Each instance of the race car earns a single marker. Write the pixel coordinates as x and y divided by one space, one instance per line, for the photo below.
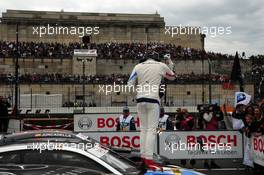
46 152
38 169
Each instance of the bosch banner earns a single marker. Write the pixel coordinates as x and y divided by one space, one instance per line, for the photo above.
117 139
174 145
201 145
98 122
258 150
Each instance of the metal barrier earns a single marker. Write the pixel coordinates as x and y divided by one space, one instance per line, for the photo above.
94 110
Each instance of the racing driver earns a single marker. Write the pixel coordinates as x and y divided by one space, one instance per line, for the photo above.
146 76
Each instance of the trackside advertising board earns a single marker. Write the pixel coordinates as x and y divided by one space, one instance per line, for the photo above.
258 150
117 139
201 145
98 122
213 144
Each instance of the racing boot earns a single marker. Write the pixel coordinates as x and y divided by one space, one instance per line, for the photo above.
142 167
151 165
214 165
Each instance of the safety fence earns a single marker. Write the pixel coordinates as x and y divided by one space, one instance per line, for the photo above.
93 95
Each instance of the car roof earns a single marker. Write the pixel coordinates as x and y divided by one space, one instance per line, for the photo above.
32 169
43 135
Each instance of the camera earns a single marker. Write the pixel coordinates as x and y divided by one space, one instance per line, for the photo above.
202 108
207 108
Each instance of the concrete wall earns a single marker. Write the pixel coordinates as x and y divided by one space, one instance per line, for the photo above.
29 65
123 66
179 95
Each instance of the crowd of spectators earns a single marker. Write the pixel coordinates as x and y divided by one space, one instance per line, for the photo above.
199 78
36 50
57 78
250 120
105 50
258 74
78 104
104 79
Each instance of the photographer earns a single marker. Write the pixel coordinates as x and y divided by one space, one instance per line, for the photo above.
165 123
126 122
211 117
185 122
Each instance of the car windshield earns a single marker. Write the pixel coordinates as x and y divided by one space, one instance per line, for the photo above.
112 158
107 155
119 162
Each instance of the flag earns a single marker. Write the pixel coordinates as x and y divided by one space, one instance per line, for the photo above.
242 98
236 74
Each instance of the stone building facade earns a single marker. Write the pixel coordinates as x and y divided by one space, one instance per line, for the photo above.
65 27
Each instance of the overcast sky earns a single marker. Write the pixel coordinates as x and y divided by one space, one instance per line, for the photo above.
246 17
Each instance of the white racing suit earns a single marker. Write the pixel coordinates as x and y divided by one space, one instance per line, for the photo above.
148 77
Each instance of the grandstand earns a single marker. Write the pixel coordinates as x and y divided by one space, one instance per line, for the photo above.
258 75
113 27
47 65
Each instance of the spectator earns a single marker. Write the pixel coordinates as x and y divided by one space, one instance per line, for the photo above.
249 110
259 121
90 104
4 120
248 131
238 117
259 131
